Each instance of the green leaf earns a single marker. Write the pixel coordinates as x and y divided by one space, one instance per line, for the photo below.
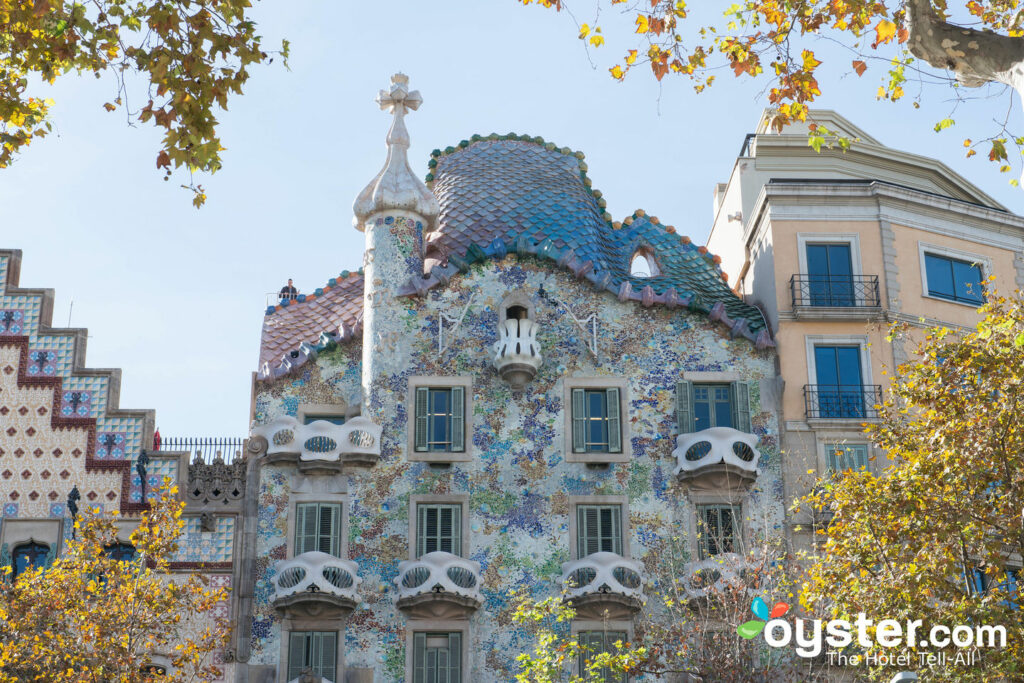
750 629
944 124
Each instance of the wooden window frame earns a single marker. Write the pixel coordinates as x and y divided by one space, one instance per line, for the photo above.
414 626
598 457
576 501
440 382
327 498
415 501
737 529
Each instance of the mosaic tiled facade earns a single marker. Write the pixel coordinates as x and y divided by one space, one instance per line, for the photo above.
61 428
441 272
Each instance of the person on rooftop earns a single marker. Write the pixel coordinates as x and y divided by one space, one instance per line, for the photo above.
288 291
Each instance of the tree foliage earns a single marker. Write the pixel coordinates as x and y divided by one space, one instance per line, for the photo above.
932 538
776 40
90 618
195 54
557 653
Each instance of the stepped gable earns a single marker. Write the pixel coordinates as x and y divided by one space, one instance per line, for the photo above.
62 425
294 331
504 194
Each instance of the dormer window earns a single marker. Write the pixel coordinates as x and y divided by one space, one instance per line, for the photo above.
643 263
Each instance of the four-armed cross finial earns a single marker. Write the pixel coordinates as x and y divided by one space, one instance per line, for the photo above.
398 100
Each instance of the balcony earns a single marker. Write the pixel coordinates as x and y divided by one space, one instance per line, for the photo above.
717 459
842 401
604 585
316 584
835 297
517 353
439 585
321 445
723 575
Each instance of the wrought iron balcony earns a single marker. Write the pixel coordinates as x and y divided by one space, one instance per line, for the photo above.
316 583
439 585
517 353
842 401
604 583
717 458
841 293
321 442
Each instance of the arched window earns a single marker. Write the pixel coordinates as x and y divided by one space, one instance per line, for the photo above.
27 555
643 263
122 552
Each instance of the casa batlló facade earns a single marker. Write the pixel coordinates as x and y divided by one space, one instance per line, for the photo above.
513 394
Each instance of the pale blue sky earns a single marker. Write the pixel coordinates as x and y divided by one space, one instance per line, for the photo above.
175 296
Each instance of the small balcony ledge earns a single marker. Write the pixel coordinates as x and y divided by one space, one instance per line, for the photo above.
321 444
835 297
439 585
604 584
517 353
316 584
715 576
716 459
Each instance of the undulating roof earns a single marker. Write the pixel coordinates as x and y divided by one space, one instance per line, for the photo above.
510 194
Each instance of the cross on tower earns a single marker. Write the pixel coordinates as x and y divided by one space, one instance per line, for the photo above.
398 100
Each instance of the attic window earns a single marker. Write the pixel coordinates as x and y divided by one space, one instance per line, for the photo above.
643 264
516 313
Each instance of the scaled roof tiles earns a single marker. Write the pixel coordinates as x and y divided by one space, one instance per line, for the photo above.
506 194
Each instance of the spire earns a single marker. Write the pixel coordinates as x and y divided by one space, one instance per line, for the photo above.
396 187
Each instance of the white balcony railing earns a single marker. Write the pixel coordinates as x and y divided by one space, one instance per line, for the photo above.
517 353
320 440
315 574
604 573
440 574
721 450
716 576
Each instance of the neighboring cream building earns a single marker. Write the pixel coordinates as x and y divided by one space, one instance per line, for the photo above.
834 247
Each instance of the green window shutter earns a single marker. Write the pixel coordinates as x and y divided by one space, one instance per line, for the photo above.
296 654
833 456
684 406
419 658
456 529
420 426
741 406
454 657
430 537
329 532
305 528
579 421
614 421
421 530
327 652
458 419
588 530
444 528
615 532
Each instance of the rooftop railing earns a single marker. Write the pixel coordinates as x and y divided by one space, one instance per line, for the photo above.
205 448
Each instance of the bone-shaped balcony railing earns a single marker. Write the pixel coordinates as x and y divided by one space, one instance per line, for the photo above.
716 446
439 572
603 573
320 439
722 574
517 353
316 572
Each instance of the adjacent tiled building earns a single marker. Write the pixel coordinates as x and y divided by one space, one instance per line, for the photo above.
835 247
512 393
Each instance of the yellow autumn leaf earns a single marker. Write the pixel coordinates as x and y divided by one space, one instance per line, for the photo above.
631 57
885 31
617 72
642 25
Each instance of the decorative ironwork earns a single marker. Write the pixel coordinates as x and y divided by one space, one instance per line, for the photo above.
842 401
835 291
140 467
206 449
588 325
73 497
443 318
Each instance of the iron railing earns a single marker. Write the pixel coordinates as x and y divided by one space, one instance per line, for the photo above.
842 401
206 448
838 291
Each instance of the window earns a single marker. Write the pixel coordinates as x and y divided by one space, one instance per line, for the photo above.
717 529
842 457
29 555
153 670
333 419
437 657
596 427
122 552
954 279
830 275
313 650
598 529
701 406
840 383
440 421
318 527
438 527
595 643
643 264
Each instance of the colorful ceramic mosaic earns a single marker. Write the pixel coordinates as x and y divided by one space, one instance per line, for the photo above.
197 546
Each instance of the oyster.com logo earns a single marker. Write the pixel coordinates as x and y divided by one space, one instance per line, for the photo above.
759 607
